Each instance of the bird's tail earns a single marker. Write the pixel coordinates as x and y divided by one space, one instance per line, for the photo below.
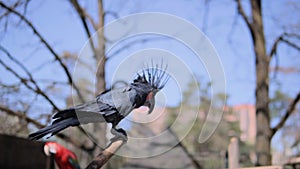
62 120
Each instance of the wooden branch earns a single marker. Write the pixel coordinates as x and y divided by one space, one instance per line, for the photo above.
287 114
43 40
105 155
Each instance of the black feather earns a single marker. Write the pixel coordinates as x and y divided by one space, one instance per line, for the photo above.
54 128
154 75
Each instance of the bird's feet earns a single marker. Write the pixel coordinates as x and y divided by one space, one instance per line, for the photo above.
119 134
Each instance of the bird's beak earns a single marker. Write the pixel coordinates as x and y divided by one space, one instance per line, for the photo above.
47 150
150 102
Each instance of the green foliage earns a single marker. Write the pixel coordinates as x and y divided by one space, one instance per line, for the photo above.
278 103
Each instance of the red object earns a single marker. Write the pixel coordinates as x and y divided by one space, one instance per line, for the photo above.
64 158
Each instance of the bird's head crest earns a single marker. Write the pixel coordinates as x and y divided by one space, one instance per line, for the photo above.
149 81
153 75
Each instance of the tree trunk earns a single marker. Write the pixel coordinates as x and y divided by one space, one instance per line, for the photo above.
263 135
262 61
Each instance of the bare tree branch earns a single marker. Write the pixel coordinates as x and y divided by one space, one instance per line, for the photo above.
15 5
82 14
17 62
105 155
51 50
112 13
274 46
92 21
31 79
282 38
276 68
25 82
246 19
25 6
42 65
291 44
28 106
287 114
21 116
294 35
189 155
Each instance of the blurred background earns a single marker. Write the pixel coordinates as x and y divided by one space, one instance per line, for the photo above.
44 68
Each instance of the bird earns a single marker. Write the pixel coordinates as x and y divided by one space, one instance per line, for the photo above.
64 158
112 105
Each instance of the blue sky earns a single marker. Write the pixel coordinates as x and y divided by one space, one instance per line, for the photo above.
59 24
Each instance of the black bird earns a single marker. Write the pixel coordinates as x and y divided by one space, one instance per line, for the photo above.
112 105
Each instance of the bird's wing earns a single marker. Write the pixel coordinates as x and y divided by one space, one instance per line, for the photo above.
95 106
109 103
120 99
90 112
